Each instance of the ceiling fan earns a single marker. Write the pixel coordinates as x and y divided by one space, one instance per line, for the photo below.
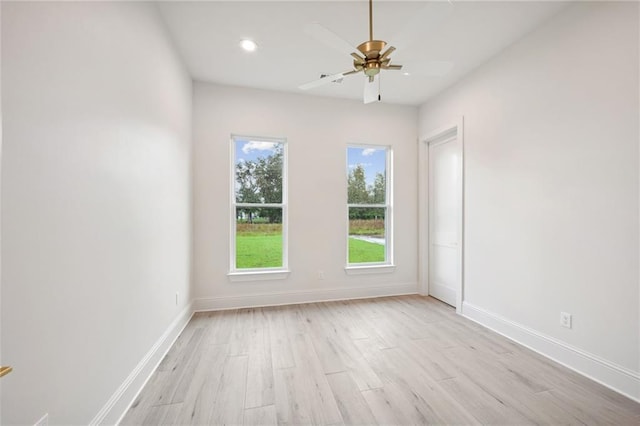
370 59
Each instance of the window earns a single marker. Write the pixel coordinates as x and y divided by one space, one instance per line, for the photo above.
369 206
259 205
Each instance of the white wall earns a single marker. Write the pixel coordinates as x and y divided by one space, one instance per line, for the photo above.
551 185
95 201
318 131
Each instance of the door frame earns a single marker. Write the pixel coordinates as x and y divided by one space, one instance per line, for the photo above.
456 128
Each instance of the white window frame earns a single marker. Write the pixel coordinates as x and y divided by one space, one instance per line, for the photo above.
387 265
254 274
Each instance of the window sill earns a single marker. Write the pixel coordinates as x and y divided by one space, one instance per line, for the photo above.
370 269
238 276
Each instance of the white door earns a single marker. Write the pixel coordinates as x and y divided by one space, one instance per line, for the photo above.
445 213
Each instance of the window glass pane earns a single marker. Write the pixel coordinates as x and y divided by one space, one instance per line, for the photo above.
258 237
367 234
366 175
258 171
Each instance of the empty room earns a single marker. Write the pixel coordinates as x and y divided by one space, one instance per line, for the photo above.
320 212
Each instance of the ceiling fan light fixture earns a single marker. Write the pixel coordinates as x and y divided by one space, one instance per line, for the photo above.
248 45
372 68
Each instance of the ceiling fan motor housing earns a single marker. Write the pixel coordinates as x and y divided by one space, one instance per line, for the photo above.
371 50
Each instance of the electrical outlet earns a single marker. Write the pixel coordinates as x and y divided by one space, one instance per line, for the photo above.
321 275
565 319
44 421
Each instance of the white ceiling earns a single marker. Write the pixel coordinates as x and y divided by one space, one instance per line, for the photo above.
207 35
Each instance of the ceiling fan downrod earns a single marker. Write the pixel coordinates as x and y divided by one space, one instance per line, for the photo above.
371 50
370 19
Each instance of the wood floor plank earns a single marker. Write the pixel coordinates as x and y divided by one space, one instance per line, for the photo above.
180 373
260 387
279 339
531 375
337 351
294 319
483 405
496 381
424 394
372 355
351 403
559 377
392 360
311 382
195 369
360 371
181 353
359 313
162 415
220 326
416 309
198 402
435 364
438 337
239 339
389 407
291 408
467 335
324 340
260 416
343 319
587 410
540 409
171 358
144 401
228 405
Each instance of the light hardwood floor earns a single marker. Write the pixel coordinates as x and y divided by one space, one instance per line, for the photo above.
393 360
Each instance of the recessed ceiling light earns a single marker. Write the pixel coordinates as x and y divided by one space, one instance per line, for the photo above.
406 73
248 45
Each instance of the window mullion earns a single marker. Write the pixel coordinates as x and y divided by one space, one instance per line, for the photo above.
369 206
256 205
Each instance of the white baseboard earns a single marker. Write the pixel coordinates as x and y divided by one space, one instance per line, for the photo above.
121 400
616 377
306 296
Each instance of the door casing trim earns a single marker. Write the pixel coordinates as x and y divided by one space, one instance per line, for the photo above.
456 128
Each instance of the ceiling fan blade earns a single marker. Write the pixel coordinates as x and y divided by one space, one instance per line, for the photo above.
357 57
386 53
328 38
430 17
326 79
371 89
391 67
429 68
